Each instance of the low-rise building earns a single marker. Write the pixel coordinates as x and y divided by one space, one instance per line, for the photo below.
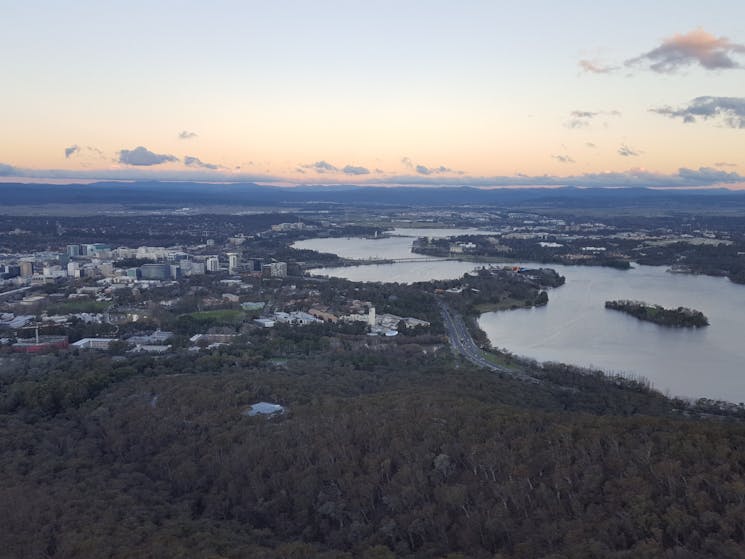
40 344
156 337
93 343
147 348
298 318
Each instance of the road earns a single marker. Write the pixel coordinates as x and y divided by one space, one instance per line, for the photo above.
15 291
462 341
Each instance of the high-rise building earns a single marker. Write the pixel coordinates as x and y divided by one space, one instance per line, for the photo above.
73 251
255 264
275 270
10 271
27 269
234 260
212 263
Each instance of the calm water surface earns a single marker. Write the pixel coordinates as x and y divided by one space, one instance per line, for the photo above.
575 327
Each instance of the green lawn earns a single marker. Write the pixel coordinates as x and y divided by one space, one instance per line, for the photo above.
499 360
221 315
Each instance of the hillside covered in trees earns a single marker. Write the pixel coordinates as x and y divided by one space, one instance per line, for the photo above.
388 448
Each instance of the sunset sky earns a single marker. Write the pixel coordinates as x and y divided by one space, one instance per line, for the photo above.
484 93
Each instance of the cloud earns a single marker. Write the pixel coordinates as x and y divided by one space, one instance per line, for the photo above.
694 48
707 174
632 178
576 123
422 170
352 170
324 167
730 110
582 119
190 161
321 167
724 164
563 158
143 157
187 135
626 151
83 151
72 150
584 114
593 67
590 145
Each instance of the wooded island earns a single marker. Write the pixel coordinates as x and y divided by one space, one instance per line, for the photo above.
681 317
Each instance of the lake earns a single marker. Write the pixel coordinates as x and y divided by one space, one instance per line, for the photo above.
575 327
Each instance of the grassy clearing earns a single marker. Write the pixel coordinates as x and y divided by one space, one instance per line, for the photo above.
500 360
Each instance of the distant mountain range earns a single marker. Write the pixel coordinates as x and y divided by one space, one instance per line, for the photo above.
179 194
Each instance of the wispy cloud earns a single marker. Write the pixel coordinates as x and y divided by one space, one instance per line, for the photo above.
724 164
626 151
729 110
695 48
583 119
594 67
187 135
78 151
590 145
563 158
191 161
143 157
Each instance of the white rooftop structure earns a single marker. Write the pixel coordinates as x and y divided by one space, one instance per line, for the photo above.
9 320
93 343
264 408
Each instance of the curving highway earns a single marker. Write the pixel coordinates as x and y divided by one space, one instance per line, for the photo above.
462 341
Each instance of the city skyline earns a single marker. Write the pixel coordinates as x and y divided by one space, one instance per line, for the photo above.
386 94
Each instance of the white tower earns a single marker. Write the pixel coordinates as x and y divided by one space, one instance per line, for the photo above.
371 316
233 261
212 264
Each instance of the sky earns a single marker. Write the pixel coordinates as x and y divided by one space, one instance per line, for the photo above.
414 92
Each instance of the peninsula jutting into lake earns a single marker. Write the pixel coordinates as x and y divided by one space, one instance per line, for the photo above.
681 317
